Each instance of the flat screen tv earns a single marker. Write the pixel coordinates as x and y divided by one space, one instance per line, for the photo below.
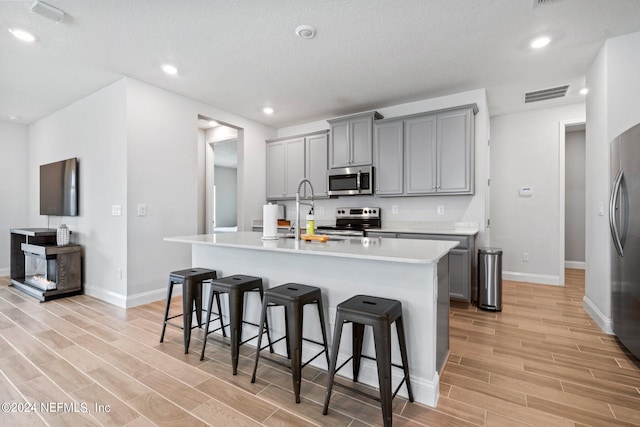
59 188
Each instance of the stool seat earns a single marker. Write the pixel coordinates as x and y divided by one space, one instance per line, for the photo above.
191 280
380 314
366 309
293 297
235 286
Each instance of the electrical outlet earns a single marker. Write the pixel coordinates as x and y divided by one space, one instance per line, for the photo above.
142 209
394 209
525 256
440 209
600 209
116 210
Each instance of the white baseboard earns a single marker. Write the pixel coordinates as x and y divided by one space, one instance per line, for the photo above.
542 279
151 296
4 272
106 296
605 323
578 265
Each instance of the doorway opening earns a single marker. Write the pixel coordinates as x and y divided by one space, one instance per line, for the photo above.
220 173
572 196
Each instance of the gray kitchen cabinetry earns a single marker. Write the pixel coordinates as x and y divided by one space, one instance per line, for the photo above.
437 153
461 270
291 159
388 154
351 140
461 283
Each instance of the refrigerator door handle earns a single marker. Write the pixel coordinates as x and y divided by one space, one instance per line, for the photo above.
613 201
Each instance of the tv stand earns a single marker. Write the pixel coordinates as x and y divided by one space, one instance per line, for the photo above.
42 269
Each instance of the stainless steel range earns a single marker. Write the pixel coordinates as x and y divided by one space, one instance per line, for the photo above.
353 222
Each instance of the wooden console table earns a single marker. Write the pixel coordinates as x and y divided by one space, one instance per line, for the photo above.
61 274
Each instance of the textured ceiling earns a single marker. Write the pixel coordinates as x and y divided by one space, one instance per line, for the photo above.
242 55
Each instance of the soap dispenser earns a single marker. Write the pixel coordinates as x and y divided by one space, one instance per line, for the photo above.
311 224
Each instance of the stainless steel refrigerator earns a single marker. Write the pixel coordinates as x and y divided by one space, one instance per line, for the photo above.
624 219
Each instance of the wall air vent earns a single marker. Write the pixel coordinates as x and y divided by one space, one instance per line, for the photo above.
544 94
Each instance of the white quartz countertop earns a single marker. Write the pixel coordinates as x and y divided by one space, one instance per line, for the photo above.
393 250
434 227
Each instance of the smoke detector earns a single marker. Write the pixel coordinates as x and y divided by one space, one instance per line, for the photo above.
305 31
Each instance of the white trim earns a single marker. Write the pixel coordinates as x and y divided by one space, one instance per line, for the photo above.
152 296
578 265
106 296
4 272
605 323
541 279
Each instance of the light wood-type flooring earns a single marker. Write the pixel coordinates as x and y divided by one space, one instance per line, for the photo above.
540 362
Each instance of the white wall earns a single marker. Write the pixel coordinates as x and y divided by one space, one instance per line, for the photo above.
612 107
14 150
226 194
574 224
93 129
423 208
525 152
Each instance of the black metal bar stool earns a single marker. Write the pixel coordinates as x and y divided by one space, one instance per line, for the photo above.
191 280
293 297
379 313
235 286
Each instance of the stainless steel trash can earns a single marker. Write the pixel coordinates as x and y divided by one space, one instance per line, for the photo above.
490 279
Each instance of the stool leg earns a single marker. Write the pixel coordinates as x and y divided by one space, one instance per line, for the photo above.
335 346
287 333
323 329
236 301
166 309
263 317
266 320
357 339
403 354
295 343
224 332
382 338
187 307
197 297
206 326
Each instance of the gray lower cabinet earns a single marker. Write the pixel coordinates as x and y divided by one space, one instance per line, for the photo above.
425 154
461 271
289 160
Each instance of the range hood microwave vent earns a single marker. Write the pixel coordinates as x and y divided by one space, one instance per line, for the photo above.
544 94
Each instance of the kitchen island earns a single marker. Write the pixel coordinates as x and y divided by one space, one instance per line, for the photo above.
415 272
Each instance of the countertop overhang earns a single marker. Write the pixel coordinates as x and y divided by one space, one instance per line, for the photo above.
391 250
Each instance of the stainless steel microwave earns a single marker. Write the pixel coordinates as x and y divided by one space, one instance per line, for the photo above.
351 181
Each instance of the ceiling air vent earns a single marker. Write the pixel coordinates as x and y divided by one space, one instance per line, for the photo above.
544 94
538 3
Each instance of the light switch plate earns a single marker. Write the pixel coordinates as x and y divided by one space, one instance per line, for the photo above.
142 209
116 210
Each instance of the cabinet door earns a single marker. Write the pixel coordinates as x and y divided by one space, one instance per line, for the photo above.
459 275
387 158
420 155
339 147
276 187
361 137
294 165
317 164
455 159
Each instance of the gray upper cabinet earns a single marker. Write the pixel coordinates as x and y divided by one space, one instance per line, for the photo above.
317 163
351 140
436 153
388 152
290 160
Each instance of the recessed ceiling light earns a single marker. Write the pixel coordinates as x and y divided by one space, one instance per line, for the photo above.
540 42
584 91
23 35
305 31
213 123
169 69
267 110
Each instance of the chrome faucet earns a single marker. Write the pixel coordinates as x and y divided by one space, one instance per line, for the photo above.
298 203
